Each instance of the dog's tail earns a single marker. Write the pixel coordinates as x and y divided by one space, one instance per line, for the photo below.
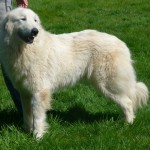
139 95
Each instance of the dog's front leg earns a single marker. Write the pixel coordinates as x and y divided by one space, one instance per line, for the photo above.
40 104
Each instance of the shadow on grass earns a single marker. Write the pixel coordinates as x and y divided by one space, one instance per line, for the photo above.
79 113
10 117
74 114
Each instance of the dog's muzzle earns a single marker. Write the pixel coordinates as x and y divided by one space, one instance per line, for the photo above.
29 38
32 35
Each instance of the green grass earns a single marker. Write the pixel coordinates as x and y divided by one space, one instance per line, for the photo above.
81 118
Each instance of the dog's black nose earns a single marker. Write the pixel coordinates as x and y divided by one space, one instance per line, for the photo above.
34 31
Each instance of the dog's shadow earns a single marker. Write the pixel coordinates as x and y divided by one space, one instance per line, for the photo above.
72 115
79 113
10 117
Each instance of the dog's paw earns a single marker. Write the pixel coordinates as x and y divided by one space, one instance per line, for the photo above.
39 133
130 119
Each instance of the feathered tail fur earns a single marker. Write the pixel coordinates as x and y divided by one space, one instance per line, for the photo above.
139 95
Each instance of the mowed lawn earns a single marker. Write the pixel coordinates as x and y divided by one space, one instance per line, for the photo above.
83 119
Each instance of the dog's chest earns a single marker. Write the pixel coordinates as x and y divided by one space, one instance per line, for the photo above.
22 70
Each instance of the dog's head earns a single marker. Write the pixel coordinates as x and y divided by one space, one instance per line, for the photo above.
23 24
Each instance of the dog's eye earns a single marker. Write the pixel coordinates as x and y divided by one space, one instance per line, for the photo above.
24 19
35 20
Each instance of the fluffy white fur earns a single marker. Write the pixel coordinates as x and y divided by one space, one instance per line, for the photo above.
39 65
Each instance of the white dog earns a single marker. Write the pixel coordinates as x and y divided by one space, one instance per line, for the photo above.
38 63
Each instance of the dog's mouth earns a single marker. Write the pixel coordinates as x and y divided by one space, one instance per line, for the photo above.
28 38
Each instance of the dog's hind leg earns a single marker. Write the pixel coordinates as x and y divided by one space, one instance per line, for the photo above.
123 101
127 106
40 104
114 75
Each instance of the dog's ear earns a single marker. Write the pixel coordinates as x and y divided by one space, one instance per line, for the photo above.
8 24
